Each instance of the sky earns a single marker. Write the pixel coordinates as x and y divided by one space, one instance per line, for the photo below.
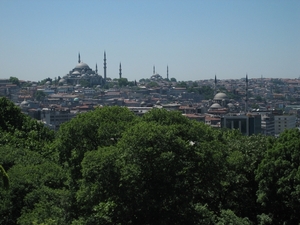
196 39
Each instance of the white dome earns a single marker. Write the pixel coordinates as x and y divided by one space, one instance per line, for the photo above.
215 106
75 73
220 96
82 65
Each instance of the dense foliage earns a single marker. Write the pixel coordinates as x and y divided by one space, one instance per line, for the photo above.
110 167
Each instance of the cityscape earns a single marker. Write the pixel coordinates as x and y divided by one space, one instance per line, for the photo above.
265 106
150 112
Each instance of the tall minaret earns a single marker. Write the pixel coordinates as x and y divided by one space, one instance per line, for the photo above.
153 70
246 100
215 87
79 57
104 66
120 71
167 72
96 69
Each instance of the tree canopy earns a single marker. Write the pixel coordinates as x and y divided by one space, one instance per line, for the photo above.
109 166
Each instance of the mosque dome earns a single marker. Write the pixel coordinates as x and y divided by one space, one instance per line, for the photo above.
24 104
82 65
156 77
230 105
220 96
75 73
215 106
62 80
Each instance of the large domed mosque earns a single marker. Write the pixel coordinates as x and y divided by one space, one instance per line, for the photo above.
82 72
156 76
220 104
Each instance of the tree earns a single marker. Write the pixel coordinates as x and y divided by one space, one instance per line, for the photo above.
165 169
86 132
21 131
278 176
14 80
123 82
152 84
36 190
173 79
40 95
206 91
42 82
181 84
11 116
84 83
239 187
4 176
97 196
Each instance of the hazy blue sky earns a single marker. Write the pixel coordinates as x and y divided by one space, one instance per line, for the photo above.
196 39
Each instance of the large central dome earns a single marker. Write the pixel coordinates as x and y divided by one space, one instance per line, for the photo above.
82 65
220 96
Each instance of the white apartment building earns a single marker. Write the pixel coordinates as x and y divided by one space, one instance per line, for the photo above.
282 122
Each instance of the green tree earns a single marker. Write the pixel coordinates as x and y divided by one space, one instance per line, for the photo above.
181 84
10 115
35 183
99 187
14 80
19 130
152 84
4 177
240 187
86 132
42 82
165 169
206 91
279 179
40 95
123 82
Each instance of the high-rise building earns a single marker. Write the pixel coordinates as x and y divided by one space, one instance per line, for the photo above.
247 124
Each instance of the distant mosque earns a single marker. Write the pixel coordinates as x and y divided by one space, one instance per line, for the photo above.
157 77
83 73
221 104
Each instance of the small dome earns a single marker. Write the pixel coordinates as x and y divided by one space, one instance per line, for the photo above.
82 65
76 99
215 106
156 77
220 96
75 73
230 105
24 104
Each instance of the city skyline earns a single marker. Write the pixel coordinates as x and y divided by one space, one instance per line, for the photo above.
194 39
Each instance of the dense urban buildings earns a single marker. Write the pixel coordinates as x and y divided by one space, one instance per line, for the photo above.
253 106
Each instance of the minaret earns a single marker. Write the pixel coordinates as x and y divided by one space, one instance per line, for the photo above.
120 71
104 66
167 72
246 100
96 69
153 70
79 57
215 87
